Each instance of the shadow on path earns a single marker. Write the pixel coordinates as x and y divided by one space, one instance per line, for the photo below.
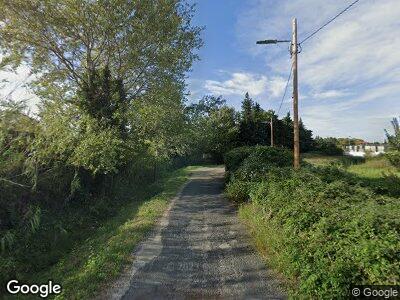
201 251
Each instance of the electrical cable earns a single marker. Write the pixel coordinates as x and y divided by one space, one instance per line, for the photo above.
286 87
330 21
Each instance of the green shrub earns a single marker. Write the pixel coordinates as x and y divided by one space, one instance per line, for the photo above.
391 184
351 160
387 184
261 160
325 235
394 158
238 191
322 227
234 158
328 146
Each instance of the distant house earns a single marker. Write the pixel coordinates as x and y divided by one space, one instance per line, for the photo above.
367 148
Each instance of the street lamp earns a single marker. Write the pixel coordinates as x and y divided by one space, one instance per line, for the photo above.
264 42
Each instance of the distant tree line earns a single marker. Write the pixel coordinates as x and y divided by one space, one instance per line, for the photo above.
220 128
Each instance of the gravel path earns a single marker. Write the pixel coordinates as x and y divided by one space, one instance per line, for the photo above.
199 250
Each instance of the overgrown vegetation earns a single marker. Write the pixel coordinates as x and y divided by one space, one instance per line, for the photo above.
394 142
376 173
110 78
99 254
318 226
77 177
112 120
328 146
217 128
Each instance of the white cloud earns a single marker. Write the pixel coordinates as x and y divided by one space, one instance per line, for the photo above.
353 118
238 84
329 94
277 86
359 45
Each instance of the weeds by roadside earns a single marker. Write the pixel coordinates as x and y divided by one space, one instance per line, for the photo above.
101 257
319 226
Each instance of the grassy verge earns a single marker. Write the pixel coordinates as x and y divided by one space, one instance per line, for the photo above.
101 257
375 173
267 240
321 160
373 168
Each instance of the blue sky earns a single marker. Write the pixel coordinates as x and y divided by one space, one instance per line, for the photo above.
349 73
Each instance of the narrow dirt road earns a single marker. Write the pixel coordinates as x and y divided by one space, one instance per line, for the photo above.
200 250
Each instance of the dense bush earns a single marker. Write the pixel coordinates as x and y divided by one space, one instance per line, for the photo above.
261 160
272 156
394 158
238 190
328 146
234 158
388 184
319 226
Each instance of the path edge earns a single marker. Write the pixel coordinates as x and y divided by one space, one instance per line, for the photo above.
121 285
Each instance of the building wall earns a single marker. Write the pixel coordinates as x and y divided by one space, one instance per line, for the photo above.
361 150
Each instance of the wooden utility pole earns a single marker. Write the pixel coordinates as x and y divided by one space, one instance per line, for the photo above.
296 150
272 132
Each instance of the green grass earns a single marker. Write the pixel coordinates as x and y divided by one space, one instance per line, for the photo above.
319 159
96 262
266 238
373 168
375 172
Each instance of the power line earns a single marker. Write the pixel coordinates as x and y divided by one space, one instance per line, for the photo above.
286 87
330 21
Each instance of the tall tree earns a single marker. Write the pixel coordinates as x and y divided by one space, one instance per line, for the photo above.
213 127
94 60
306 139
65 42
247 108
394 139
247 124
287 131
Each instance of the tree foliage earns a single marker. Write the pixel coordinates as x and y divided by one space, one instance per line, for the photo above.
328 146
110 76
213 127
254 127
66 42
394 144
